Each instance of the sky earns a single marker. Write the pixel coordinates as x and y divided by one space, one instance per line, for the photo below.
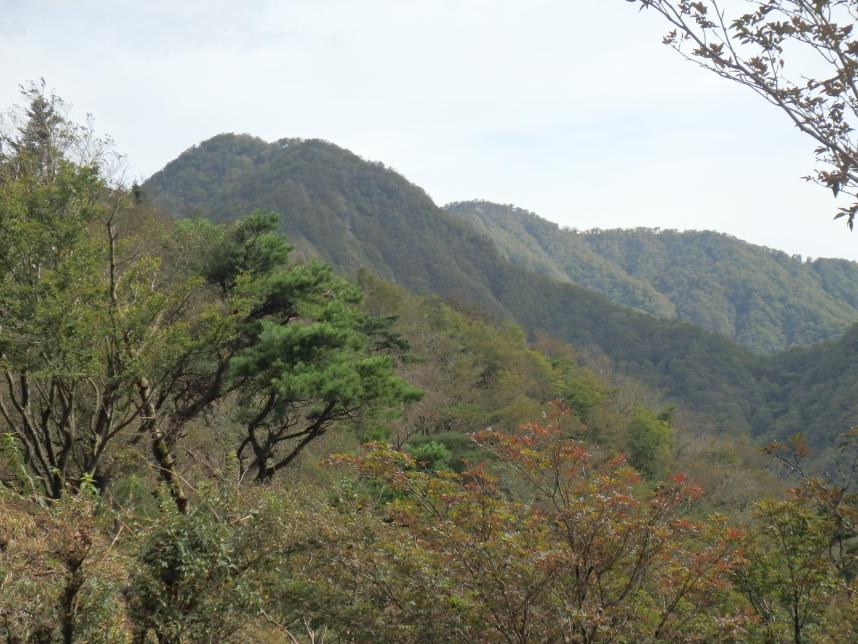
574 110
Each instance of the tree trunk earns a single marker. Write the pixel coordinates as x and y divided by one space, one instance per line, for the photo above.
73 585
160 449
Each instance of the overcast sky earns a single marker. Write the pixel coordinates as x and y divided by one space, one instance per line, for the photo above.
572 109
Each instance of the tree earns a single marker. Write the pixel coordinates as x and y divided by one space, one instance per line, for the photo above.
649 442
799 55
81 309
580 552
829 492
302 356
118 324
800 570
788 577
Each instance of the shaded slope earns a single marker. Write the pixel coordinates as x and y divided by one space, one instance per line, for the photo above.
812 390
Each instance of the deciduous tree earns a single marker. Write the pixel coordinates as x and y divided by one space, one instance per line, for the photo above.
799 55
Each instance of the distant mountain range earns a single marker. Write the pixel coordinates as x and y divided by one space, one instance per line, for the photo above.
765 299
625 293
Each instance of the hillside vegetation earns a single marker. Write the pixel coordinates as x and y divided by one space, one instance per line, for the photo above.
356 214
208 437
764 299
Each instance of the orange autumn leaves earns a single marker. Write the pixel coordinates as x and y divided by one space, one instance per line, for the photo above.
551 542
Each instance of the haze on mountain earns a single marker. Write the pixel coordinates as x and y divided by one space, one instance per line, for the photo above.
355 214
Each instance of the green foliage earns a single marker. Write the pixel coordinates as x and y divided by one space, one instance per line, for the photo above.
476 373
301 355
207 574
765 299
357 214
788 577
579 388
246 249
83 307
452 450
650 441
429 455
118 323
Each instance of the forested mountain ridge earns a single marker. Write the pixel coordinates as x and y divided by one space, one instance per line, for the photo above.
336 206
397 424
763 298
205 439
353 214
541 246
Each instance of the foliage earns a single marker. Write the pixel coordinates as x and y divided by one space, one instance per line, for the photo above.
788 578
301 355
549 541
476 373
800 574
765 299
429 455
650 442
118 325
801 56
586 555
84 314
210 573
61 578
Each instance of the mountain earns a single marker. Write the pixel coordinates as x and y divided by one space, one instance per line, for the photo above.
335 206
353 214
811 390
540 246
763 298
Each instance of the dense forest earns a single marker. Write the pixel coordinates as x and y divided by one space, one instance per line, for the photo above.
764 299
276 394
388 225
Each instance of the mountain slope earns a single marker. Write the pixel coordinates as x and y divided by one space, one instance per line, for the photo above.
334 205
763 298
538 245
353 213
